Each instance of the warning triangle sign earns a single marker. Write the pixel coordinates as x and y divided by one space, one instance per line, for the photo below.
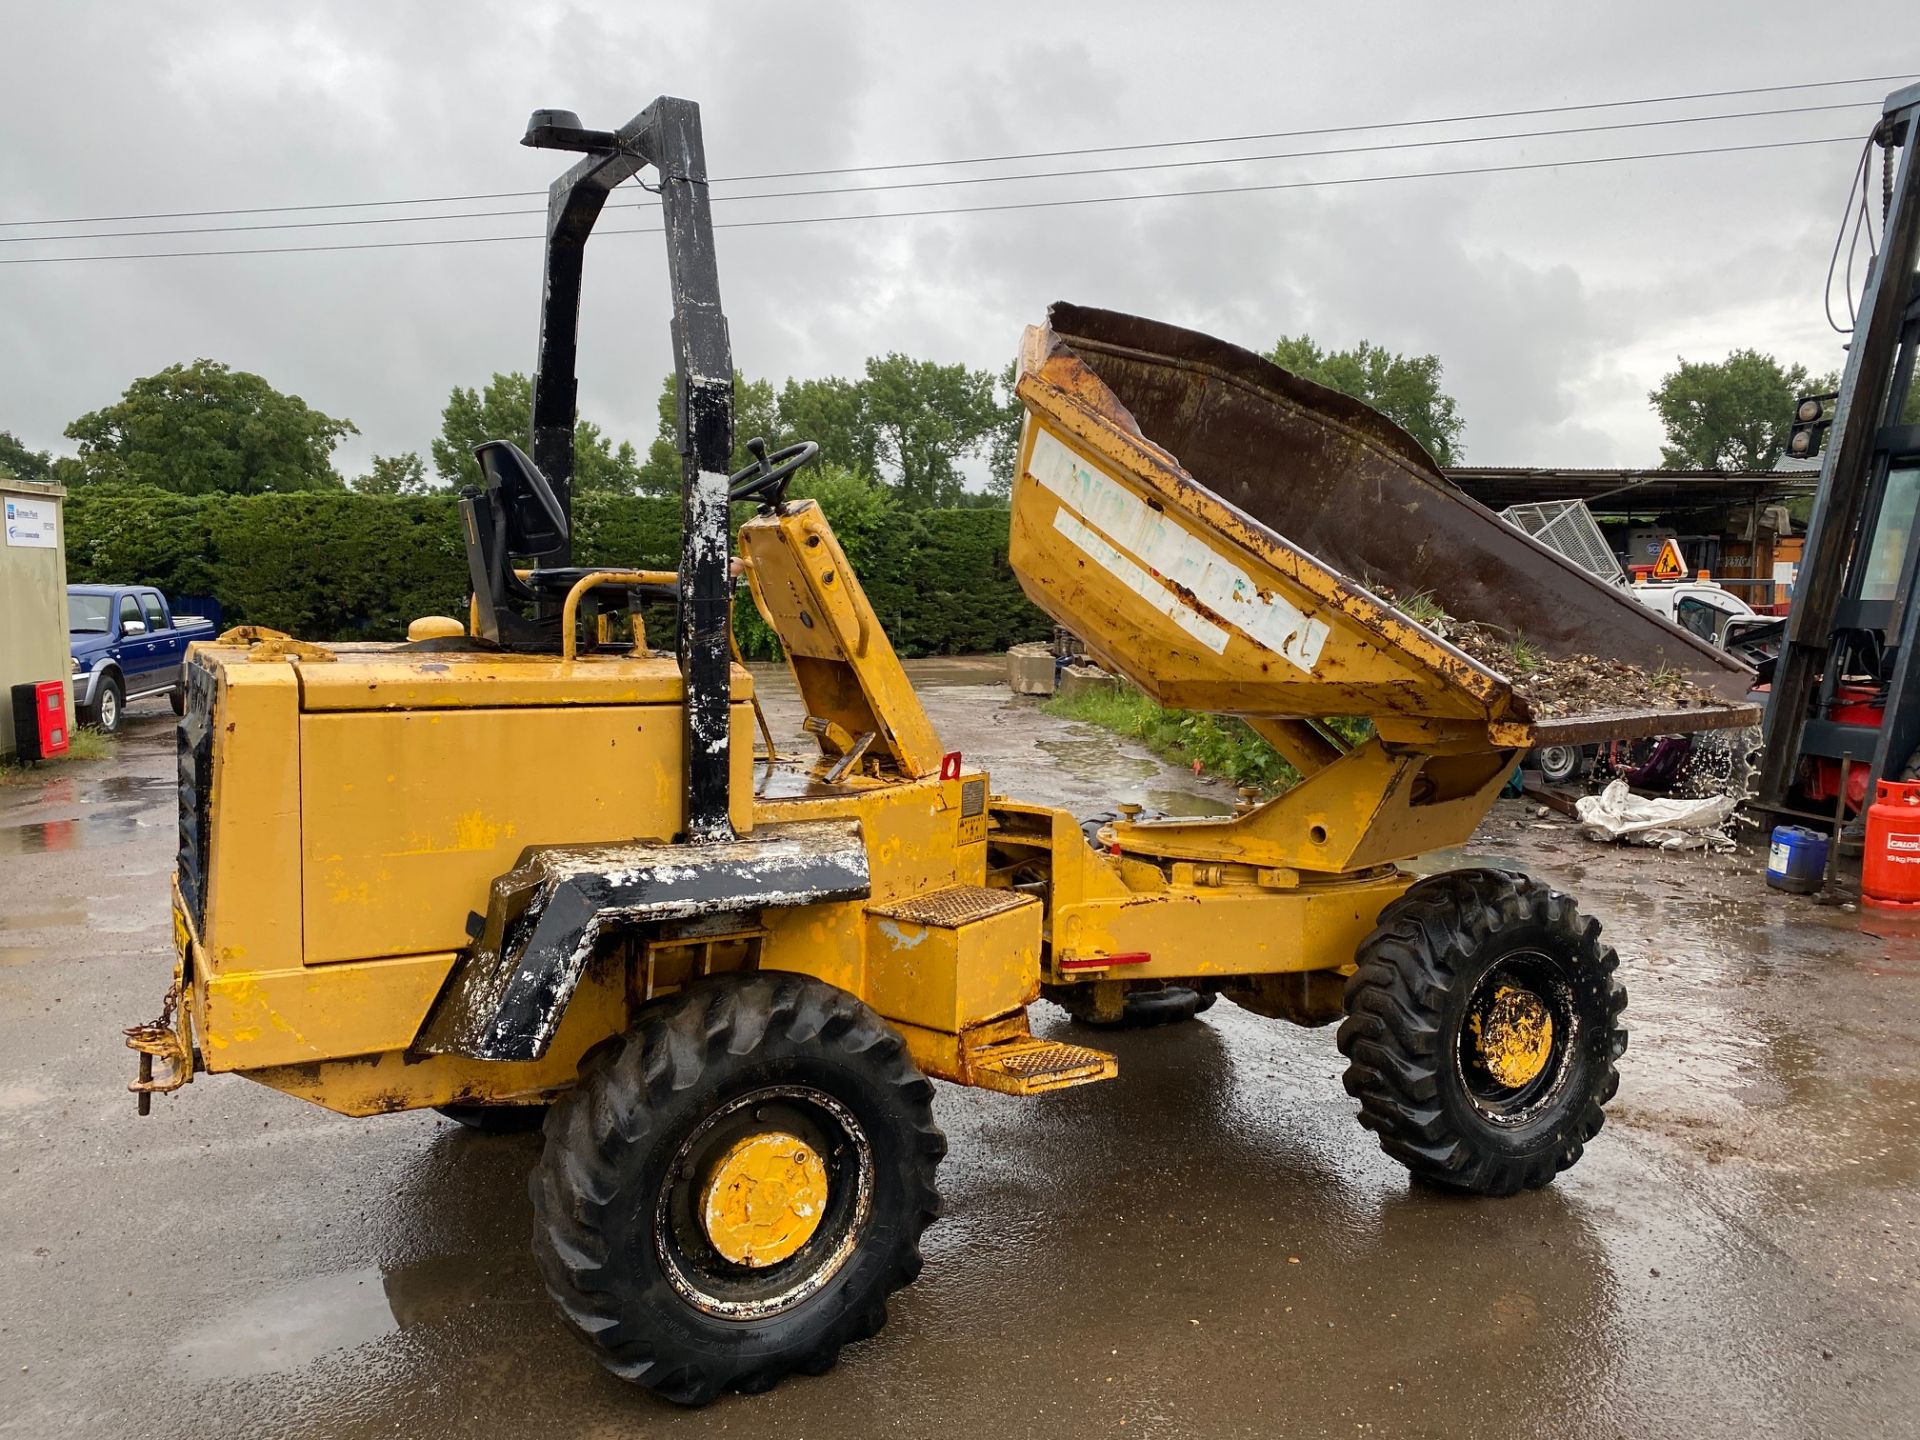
1671 565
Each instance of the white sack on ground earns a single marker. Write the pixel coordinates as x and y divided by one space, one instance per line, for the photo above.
1616 813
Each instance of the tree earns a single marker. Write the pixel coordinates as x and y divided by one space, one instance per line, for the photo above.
756 415
20 462
204 429
1003 446
909 422
1732 414
926 418
504 411
1404 388
833 413
395 475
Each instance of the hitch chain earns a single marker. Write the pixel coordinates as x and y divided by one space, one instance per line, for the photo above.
167 1039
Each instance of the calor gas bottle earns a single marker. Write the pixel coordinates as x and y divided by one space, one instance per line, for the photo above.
1890 871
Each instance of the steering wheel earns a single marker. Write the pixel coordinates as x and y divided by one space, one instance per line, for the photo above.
766 479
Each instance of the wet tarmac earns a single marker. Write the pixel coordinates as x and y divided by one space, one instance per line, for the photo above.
1208 1245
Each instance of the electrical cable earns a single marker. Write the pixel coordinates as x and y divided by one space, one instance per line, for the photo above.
942 184
1857 217
995 159
972 209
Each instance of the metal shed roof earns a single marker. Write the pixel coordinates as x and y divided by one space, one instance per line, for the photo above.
1617 491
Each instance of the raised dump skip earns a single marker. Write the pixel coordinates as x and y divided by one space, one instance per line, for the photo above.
1218 529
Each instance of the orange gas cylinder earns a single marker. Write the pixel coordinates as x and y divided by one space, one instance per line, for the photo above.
1890 873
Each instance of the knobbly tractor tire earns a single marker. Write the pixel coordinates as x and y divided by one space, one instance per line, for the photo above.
1144 1009
1482 1031
736 1186
496 1119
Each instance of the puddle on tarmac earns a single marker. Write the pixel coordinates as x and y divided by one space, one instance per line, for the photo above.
1185 803
1094 754
81 833
288 1328
1459 857
121 788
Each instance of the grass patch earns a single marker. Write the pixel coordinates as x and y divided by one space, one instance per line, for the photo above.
82 744
1423 609
1223 745
1527 657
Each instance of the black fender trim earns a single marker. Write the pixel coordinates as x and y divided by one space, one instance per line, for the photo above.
506 993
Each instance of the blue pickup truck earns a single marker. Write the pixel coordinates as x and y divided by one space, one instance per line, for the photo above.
126 643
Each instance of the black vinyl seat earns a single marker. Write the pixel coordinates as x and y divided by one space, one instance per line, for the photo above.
514 518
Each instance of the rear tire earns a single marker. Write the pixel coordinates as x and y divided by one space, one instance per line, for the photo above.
624 1200
1482 1031
496 1119
1167 1005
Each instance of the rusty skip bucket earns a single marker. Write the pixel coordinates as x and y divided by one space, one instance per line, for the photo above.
1210 524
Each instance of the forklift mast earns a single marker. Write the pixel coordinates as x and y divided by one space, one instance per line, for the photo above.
1858 570
666 135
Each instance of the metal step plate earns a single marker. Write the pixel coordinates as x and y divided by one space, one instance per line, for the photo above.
952 907
1032 1067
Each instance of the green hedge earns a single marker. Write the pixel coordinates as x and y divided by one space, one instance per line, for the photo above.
345 566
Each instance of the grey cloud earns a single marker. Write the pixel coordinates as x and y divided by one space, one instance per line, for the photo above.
1555 299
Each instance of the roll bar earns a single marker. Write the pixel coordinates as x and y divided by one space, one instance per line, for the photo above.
666 135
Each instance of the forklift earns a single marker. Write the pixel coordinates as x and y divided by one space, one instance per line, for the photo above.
1843 701
526 869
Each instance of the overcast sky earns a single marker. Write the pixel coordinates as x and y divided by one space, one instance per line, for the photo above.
1554 297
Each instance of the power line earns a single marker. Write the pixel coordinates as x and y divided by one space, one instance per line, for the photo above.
1338 129
971 209
972 180
997 159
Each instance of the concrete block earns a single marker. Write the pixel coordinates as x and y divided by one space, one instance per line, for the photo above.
1030 668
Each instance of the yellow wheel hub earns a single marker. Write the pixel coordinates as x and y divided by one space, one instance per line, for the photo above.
764 1199
1514 1035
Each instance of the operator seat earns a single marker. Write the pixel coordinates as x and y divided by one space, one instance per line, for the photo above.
515 516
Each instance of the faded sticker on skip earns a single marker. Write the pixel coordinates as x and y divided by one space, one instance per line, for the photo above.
1159 559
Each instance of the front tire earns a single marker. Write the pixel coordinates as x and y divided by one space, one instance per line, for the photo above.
1482 1031
105 713
736 1186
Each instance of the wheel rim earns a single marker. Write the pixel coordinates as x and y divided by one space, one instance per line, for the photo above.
109 708
764 1202
765 1199
1513 1035
1557 761
1516 1038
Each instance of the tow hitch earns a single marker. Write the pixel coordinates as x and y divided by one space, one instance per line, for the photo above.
168 1038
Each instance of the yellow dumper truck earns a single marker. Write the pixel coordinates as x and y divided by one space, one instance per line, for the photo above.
523 864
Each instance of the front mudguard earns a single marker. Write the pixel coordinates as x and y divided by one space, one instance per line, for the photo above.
506 993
